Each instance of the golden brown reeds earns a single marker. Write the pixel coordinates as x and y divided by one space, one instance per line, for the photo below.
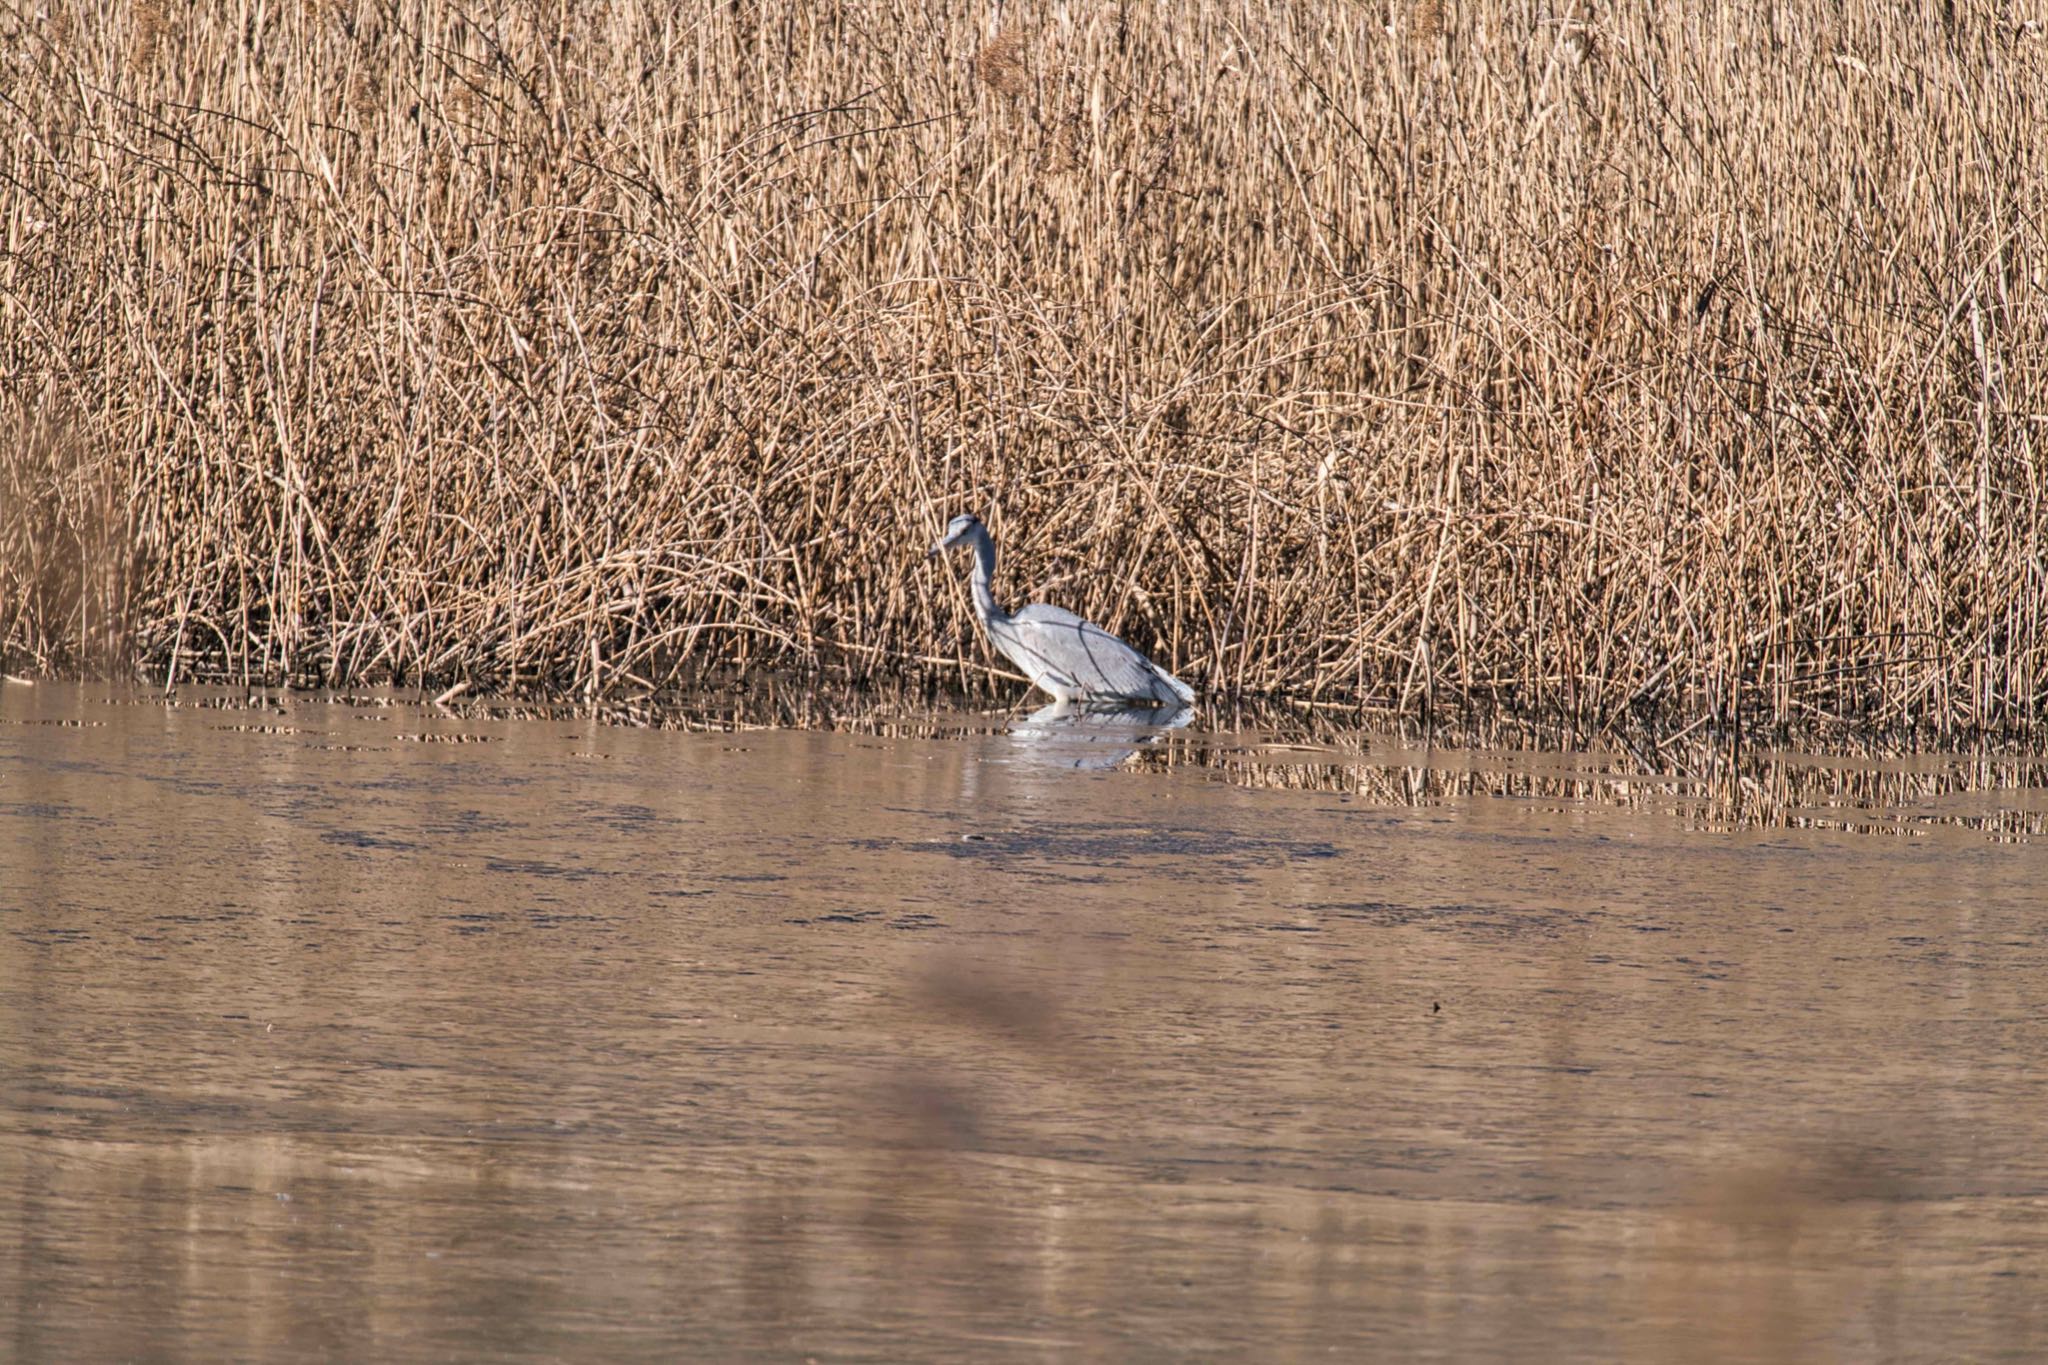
1580 359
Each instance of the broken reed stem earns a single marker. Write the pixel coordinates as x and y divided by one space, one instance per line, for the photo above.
1655 360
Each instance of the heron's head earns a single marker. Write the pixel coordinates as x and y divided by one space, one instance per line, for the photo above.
957 530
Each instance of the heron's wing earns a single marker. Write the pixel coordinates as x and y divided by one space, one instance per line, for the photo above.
1097 662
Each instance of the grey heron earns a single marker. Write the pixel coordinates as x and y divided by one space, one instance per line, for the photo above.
1073 659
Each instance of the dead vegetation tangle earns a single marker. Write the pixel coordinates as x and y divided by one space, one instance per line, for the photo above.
1559 357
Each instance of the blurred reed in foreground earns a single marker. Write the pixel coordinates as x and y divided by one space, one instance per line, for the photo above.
1388 352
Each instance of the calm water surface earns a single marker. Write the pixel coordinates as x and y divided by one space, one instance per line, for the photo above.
346 1028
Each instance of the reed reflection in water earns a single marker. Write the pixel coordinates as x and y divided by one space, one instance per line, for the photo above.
1828 779
346 1026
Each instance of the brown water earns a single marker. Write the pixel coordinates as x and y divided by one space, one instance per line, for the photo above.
343 1028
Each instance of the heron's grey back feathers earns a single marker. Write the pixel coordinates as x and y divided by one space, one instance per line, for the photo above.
1093 662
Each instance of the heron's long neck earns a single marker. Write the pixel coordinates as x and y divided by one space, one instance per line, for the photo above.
984 573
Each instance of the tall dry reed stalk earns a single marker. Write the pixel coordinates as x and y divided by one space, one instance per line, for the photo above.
1564 357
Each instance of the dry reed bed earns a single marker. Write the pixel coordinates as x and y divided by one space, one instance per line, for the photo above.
1547 356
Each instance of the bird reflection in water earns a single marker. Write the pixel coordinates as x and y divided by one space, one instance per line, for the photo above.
1072 734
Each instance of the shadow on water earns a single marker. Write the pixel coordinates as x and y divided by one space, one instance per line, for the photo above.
786 1021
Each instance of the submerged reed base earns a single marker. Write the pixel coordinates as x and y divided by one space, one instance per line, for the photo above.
1400 353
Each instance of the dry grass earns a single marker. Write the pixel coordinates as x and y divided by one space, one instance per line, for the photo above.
1561 357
